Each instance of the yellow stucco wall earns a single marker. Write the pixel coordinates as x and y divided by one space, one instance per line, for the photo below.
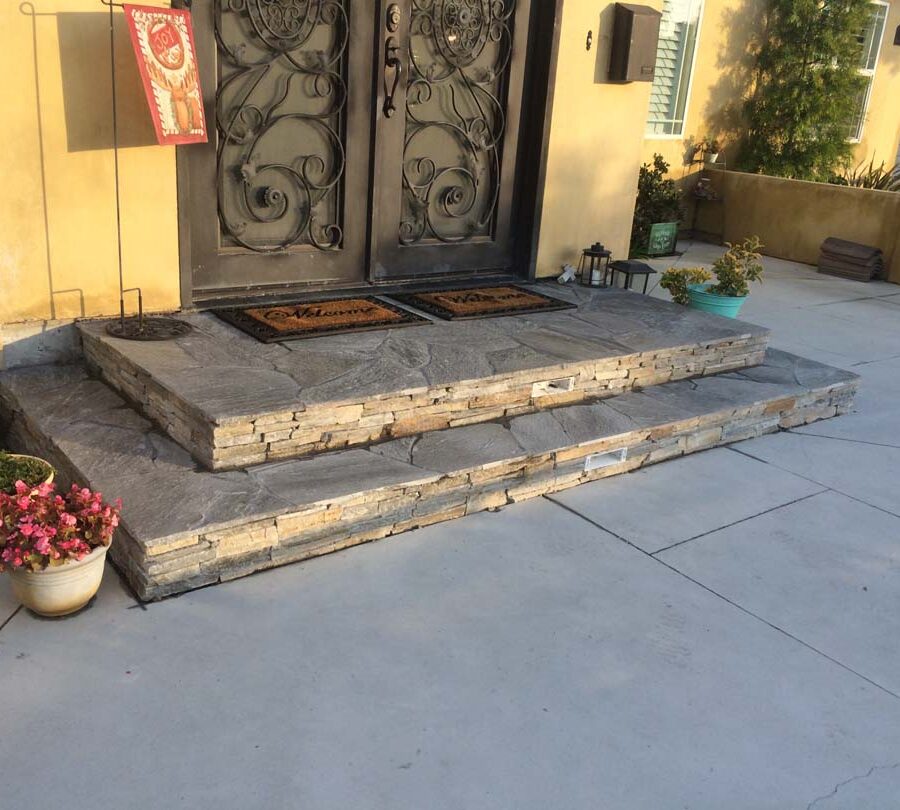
58 241
793 217
596 142
57 212
721 77
721 73
57 209
881 133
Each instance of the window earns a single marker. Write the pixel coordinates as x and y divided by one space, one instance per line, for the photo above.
678 32
870 42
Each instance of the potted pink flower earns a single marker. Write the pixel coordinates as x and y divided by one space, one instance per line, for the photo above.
54 546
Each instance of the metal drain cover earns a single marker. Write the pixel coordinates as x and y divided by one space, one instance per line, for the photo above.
137 328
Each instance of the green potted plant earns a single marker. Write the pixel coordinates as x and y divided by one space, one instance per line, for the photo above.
733 271
657 212
30 469
54 545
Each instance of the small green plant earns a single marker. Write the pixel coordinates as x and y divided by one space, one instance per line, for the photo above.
871 176
734 270
737 267
31 471
658 200
677 280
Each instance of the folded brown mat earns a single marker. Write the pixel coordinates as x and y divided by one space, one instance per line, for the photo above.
839 257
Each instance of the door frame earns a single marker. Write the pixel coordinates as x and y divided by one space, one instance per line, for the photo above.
528 194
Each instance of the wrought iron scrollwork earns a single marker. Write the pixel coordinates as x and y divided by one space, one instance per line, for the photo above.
459 55
280 111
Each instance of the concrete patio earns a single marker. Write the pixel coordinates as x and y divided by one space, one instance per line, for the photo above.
714 632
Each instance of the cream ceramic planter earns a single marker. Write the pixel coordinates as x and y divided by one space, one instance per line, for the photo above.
59 590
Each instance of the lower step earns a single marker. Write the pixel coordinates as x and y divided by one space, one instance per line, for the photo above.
184 528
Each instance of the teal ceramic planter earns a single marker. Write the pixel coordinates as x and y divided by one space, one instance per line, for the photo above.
727 306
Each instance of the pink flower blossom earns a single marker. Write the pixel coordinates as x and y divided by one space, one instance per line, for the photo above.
37 525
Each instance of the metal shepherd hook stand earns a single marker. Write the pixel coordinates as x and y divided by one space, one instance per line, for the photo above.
132 328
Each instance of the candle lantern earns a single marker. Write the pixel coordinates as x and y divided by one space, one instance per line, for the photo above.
594 265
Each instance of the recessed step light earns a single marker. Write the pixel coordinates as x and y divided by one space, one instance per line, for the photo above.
547 388
596 461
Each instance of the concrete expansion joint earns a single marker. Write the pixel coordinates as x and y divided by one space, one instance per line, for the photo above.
731 602
738 522
841 439
812 480
9 618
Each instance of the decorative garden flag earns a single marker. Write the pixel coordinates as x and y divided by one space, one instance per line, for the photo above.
163 43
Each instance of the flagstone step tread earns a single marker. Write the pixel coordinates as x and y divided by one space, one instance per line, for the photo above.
184 527
234 402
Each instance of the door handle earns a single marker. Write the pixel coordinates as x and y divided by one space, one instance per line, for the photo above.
391 63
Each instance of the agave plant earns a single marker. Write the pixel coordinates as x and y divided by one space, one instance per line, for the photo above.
869 176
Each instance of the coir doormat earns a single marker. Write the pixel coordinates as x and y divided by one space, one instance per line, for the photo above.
482 302
310 319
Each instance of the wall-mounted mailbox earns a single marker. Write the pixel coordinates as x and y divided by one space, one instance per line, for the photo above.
634 39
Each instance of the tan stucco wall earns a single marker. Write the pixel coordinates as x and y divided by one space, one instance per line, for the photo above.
794 217
721 78
57 212
58 243
721 75
595 144
881 133
57 209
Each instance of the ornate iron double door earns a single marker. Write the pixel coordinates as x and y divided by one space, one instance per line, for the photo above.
355 140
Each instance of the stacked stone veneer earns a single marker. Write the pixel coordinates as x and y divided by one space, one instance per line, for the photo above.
332 525
183 529
245 440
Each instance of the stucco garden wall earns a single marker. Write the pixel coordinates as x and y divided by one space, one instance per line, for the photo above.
794 217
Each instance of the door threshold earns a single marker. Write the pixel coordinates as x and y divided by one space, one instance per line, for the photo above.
280 295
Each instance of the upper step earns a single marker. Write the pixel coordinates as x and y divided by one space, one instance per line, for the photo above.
234 402
183 527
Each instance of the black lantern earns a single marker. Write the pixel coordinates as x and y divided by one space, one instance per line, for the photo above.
594 265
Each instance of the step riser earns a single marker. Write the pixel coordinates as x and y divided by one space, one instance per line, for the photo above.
188 562
248 441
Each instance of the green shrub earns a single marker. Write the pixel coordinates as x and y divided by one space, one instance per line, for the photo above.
737 267
806 87
677 280
658 200
734 270
871 176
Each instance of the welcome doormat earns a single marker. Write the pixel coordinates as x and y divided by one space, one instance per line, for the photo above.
482 302
308 319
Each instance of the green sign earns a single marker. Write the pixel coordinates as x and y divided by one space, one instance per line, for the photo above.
663 236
